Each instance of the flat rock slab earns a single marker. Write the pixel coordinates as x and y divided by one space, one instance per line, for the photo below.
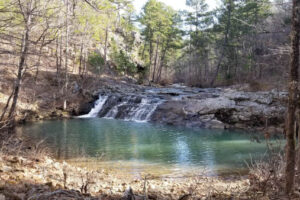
209 107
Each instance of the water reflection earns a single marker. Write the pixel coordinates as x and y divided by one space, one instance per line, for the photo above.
144 143
182 151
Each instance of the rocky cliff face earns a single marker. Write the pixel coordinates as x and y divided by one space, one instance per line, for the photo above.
195 107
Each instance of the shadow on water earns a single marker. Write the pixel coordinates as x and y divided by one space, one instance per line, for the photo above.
138 147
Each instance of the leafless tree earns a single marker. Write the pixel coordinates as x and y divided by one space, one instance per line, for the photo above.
292 103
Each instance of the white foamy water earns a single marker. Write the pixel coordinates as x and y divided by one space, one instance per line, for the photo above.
98 106
128 108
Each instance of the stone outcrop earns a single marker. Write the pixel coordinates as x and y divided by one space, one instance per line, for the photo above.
227 109
206 108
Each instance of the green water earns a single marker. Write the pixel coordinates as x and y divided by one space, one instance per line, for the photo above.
142 144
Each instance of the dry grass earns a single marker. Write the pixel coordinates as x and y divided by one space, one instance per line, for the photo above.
267 176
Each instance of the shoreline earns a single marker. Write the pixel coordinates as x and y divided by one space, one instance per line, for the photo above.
26 171
138 169
16 171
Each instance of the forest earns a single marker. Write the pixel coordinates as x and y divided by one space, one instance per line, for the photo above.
99 100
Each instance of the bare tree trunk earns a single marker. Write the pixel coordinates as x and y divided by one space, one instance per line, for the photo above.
66 56
60 61
206 64
6 106
150 55
297 132
143 52
73 57
255 38
80 58
24 50
217 68
61 51
155 61
38 62
225 43
159 71
84 63
292 102
57 58
162 60
236 62
105 47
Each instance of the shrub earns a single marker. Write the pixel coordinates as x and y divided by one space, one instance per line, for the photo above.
96 62
123 61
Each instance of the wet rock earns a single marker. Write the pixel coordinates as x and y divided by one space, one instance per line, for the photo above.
84 108
237 96
111 102
209 106
229 109
196 107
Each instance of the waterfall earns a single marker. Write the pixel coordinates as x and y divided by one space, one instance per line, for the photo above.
144 111
114 111
129 108
97 108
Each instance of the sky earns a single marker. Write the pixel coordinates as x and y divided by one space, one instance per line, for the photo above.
176 4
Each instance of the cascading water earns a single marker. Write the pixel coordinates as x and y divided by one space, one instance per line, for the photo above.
144 110
129 108
114 111
98 106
